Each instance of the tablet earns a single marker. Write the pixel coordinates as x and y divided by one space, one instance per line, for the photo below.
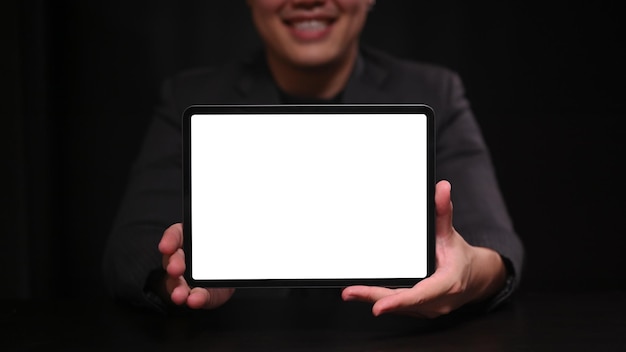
308 195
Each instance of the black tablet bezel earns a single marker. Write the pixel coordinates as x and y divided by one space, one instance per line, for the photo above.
306 109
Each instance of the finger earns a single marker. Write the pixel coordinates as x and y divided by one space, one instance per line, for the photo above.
443 209
369 294
172 239
208 298
178 289
427 298
198 298
174 264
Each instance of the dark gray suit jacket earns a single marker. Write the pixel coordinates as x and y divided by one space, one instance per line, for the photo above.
153 200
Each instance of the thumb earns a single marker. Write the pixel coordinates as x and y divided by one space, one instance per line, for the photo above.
443 209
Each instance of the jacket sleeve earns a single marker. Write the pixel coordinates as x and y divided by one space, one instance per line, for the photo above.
151 203
480 212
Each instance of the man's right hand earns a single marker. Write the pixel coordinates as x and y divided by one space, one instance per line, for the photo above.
171 247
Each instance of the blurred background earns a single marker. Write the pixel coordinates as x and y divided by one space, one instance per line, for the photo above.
80 79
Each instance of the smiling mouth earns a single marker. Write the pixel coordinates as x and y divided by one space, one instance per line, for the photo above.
310 29
310 25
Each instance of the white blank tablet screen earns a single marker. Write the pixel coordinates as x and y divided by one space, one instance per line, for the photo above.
309 196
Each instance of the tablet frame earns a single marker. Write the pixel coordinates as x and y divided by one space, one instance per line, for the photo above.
421 109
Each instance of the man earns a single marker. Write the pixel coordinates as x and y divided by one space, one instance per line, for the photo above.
312 54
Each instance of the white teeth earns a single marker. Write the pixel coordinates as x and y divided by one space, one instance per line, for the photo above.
312 25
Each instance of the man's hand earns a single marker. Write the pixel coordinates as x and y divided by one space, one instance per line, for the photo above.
464 273
171 246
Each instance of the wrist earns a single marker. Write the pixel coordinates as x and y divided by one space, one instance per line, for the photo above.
488 274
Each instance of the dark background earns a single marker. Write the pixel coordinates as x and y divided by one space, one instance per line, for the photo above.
80 79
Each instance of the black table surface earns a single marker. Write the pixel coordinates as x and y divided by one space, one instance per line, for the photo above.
533 321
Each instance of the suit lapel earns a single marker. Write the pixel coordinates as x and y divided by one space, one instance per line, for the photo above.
366 85
256 85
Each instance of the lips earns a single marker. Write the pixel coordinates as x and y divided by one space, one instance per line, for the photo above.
310 25
307 29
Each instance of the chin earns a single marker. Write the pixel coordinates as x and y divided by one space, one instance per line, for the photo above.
315 57
312 62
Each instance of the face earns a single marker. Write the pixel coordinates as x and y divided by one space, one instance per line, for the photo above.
310 33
